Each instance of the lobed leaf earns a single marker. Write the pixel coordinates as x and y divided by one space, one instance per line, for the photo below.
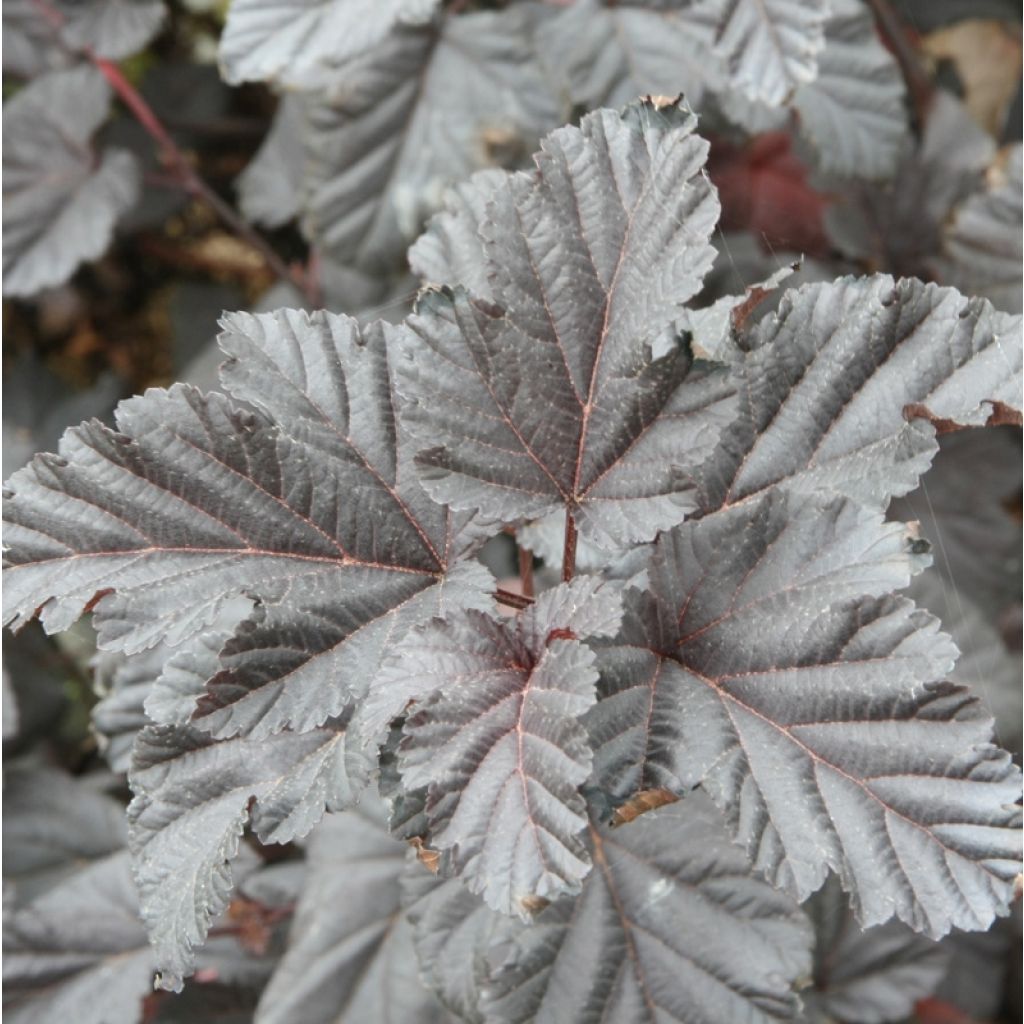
270 187
854 112
838 382
982 247
53 824
113 29
316 513
618 951
866 977
499 746
815 718
772 565
572 392
453 932
193 798
79 951
612 53
411 116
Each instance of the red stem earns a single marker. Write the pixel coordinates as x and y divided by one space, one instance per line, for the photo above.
177 163
526 571
919 84
569 551
510 600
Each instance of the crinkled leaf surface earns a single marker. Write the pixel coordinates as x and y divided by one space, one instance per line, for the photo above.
295 42
771 46
762 567
818 720
832 391
79 951
194 796
407 118
162 684
500 747
61 200
350 957
982 247
866 977
316 512
671 925
572 391
451 251
853 112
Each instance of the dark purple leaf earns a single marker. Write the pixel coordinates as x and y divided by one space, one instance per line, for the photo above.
573 390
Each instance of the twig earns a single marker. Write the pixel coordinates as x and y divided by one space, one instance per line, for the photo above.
526 571
919 84
177 163
569 551
510 600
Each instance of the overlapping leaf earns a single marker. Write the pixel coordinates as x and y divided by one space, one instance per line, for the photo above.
61 201
193 798
79 951
853 112
29 48
350 957
982 248
499 746
192 501
52 825
270 187
836 374
420 111
898 225
453 932
964 506
573 390
671 925
868 977
300 42
161 685
761 568
818 720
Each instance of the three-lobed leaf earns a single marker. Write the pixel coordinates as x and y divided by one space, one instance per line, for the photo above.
571 390
499 746
815 716
316 512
